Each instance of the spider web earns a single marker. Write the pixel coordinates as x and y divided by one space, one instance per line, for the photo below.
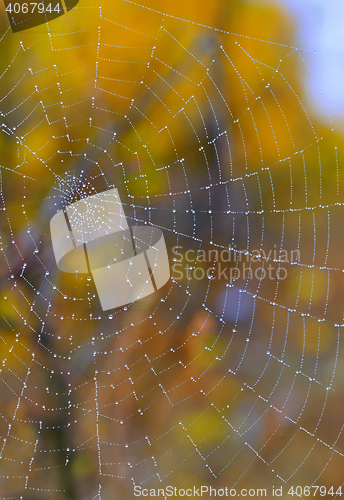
205 134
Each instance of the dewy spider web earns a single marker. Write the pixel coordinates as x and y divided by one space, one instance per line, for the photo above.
201 125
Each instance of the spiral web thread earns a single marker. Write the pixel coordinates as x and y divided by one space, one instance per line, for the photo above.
206 134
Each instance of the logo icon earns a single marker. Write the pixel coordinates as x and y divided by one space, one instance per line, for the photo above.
92 236
25 14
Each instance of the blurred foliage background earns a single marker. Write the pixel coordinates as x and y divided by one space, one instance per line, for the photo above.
195 112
